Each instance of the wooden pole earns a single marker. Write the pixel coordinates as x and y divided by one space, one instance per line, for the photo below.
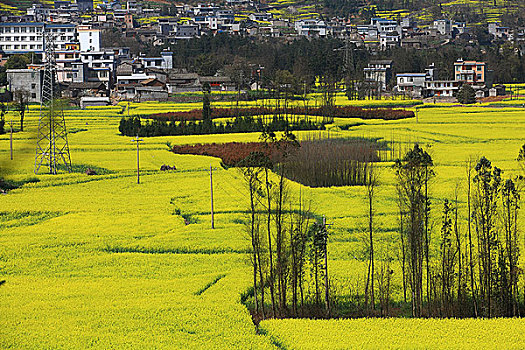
11 139
211 196
137 140
138 163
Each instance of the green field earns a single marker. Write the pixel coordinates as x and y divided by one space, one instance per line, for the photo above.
101 262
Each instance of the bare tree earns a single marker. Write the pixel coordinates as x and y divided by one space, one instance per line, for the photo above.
469 169
487 186
413 173
21 99
371 184
511 199
252 168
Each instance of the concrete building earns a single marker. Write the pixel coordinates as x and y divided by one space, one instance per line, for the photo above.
412 84
311 27
20 38
90 101
164 62
385 25
379 73
389 40
101 66
29 80
471 72
442 88
68 69
187 31
85 5
88 38
496 30
63 34
443 26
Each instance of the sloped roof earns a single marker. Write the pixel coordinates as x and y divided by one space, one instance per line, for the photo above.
88 85
221 79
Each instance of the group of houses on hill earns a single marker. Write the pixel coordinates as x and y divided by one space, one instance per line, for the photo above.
428 84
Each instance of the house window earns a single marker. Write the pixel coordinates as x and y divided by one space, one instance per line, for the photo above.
479 76
33 95
33 86
401 80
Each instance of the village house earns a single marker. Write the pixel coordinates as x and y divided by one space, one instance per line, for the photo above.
379 73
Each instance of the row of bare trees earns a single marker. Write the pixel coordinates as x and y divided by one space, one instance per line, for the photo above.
470 269
475 271
289 246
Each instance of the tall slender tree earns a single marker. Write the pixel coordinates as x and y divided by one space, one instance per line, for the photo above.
413 173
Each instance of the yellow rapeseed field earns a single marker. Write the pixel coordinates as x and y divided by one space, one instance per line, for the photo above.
101 262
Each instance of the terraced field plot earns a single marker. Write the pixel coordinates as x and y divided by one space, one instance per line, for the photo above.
101 262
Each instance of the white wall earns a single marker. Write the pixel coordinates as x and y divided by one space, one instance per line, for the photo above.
89 39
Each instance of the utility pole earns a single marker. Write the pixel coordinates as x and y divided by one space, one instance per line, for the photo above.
211 196
11 139
137 140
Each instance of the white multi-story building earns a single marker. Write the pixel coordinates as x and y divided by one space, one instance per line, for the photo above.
164 62
20 38
499 31
443 26
385 25
411 83
389 40
311 27
378 73
101 66
27 37
442 88
88 38
63 34
69 68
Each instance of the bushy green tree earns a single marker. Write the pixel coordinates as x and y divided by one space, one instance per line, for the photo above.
466 95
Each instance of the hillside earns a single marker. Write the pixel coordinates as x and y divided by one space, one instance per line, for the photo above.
510 12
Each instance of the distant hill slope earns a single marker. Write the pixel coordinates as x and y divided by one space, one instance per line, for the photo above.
16 7
511 12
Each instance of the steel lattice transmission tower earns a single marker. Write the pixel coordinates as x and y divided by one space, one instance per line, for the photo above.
52 148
